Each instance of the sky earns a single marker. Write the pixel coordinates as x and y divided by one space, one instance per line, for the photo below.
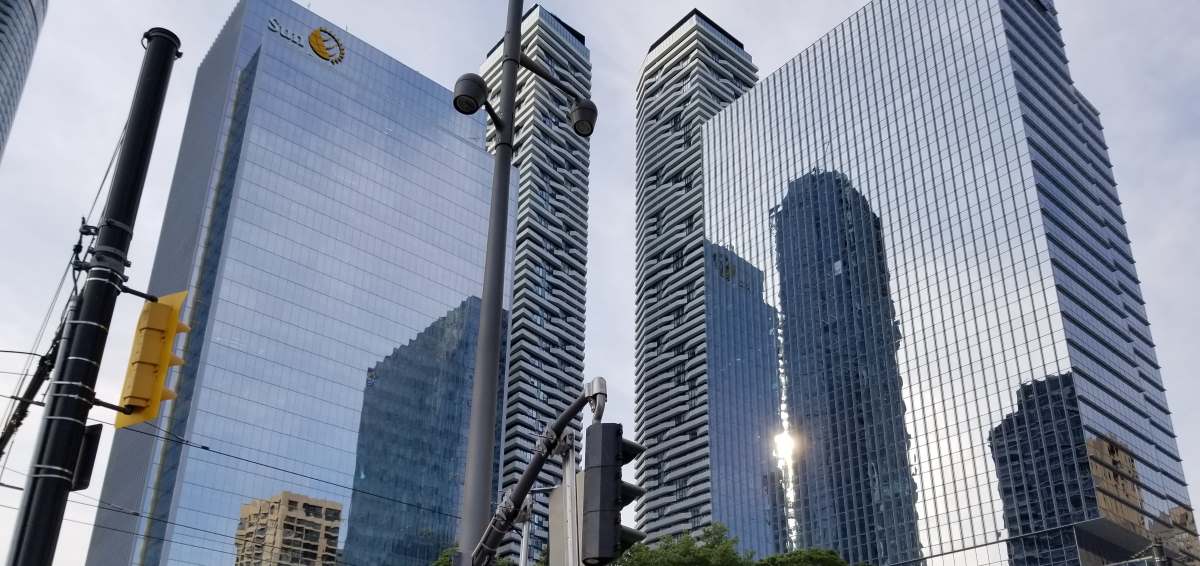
1138 62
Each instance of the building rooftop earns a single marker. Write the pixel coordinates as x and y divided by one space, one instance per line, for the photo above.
574 32
684 20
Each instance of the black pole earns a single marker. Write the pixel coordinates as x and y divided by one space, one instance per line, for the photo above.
477 483
45 365
72 388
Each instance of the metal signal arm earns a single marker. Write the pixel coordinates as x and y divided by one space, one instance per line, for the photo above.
595 393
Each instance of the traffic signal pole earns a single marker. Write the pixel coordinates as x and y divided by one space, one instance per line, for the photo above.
484 553
71 393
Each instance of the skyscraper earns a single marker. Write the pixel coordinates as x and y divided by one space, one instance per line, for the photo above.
288 529
412 445
20 23
853 484
545 369
958 136
741 395
692 71
328 206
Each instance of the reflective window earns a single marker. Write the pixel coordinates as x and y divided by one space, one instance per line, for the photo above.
340 215
926 202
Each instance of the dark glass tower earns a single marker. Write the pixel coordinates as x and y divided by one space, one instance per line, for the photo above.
412 445
742 399
20 23
970 244
854 488
328 205
1042 471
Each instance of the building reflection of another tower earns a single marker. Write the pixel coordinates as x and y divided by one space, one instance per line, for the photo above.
1071 496
854 488
1042 471
412 445
743 404
288 529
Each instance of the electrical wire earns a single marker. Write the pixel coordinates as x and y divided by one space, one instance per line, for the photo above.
172 437
9 372
54 299
107 506
151 537
185 442
38 340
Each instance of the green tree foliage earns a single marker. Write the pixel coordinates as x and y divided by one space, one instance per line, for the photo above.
804 558
446 558
712 547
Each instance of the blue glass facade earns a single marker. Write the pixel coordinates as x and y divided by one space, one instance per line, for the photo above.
20 23
964 350
742 397
412 444
328 216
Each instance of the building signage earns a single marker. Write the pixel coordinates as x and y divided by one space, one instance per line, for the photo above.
321 41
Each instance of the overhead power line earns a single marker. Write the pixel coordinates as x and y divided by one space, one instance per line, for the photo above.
171 437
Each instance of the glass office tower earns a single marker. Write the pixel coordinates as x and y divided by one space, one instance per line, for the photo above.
930 200
20 23
328 217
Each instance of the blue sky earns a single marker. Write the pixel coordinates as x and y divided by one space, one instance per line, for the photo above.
1139 62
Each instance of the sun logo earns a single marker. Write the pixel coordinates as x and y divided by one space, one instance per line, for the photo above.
326 45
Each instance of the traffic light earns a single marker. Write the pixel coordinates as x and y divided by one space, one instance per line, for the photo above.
604 494
152 357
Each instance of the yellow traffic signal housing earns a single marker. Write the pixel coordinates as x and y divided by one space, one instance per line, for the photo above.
152 357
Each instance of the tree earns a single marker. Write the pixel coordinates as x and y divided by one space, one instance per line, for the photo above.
446 558
812 557
713 547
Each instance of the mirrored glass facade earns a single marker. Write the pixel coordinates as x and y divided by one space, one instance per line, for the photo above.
963 348
328 217
20 23
742 393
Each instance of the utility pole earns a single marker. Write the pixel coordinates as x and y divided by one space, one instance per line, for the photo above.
40 375
71 393
471 94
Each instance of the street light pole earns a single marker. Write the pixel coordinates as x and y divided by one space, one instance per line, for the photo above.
471 94
477 487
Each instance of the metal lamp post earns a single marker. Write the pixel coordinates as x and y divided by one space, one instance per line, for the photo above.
470 94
